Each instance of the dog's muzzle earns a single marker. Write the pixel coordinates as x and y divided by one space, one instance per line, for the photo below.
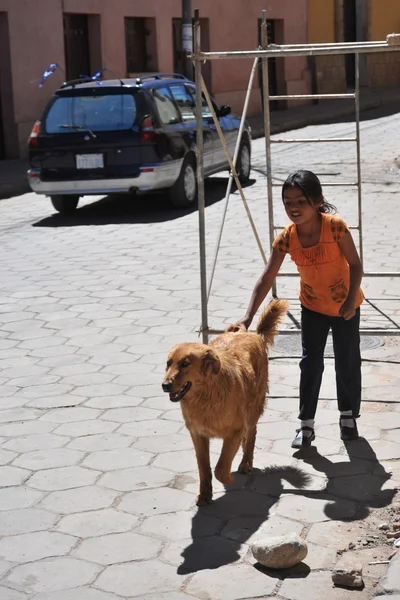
176 396
167 386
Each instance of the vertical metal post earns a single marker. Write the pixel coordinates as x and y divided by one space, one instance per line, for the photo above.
230 181
267 131
187 38
200 179
358 142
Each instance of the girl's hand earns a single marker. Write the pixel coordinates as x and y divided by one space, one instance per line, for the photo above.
241 325
347 310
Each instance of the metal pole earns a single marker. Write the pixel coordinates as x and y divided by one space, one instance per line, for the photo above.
306 50
200 179
187 38
267 131
235 157
233 168
358 142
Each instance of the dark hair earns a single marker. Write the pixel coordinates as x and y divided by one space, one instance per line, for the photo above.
309 184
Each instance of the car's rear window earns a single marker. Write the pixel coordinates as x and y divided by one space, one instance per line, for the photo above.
112 112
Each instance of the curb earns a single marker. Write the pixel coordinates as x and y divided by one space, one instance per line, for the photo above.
9 190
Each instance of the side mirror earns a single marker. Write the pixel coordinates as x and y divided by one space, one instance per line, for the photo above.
225 110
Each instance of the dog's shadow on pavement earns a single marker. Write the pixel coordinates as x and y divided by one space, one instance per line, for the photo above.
220 531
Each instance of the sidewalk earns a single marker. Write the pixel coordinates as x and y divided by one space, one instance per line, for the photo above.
13 179
325 111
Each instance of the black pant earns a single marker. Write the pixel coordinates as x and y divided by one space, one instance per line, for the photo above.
346 345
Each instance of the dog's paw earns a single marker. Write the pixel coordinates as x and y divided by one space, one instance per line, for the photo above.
204 499
225 478
244 468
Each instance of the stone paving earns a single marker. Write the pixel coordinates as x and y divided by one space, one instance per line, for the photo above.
97 471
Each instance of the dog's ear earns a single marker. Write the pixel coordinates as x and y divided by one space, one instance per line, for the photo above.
211 362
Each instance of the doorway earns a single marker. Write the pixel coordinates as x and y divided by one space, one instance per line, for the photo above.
76 43
272 65
350 35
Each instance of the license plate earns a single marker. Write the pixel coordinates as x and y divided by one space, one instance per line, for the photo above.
89 161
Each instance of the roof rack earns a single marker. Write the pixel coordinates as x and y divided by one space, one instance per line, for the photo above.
160 76
74 82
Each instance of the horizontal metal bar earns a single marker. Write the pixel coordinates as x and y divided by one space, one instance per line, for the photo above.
368 274
313 97
385 274
313 140
280 227
311 50
328 184
324 44
366 331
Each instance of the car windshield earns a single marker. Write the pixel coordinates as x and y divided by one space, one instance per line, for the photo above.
112 112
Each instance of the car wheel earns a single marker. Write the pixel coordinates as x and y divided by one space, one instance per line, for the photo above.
64 204
183 193
243 166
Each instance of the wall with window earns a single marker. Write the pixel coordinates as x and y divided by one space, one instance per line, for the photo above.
130 38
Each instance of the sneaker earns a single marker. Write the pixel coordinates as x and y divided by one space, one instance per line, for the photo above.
303 441
348 434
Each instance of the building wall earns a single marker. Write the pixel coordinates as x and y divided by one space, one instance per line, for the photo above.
327 72
36 40
384 18
375 19
321 21
31 51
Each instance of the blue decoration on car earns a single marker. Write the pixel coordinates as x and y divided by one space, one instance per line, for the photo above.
51 69
94 77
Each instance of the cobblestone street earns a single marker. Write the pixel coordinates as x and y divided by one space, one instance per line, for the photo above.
98 475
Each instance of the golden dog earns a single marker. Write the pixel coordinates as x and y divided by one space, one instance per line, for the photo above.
222 389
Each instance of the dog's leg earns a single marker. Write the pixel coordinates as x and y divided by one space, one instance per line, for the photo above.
224 465
248 451
202 448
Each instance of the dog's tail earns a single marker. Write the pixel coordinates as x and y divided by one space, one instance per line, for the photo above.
271 317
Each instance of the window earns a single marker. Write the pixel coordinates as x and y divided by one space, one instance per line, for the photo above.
205 110
113 112
140 42
165 106
185 101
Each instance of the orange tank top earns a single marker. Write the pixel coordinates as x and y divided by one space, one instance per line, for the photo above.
324 271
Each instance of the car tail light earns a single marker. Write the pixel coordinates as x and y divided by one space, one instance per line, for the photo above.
33 138
147 130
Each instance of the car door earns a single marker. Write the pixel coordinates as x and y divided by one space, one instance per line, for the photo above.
229 126
170 139
186 103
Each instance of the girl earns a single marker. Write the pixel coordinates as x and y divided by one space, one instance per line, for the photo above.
330 276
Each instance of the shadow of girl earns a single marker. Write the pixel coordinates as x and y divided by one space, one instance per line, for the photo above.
359 479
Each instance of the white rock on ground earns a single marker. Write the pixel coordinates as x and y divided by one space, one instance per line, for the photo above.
280 552
348 573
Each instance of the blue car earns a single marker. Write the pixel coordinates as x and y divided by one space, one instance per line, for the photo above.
128 136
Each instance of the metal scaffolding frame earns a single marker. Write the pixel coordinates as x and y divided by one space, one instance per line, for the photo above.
265 52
